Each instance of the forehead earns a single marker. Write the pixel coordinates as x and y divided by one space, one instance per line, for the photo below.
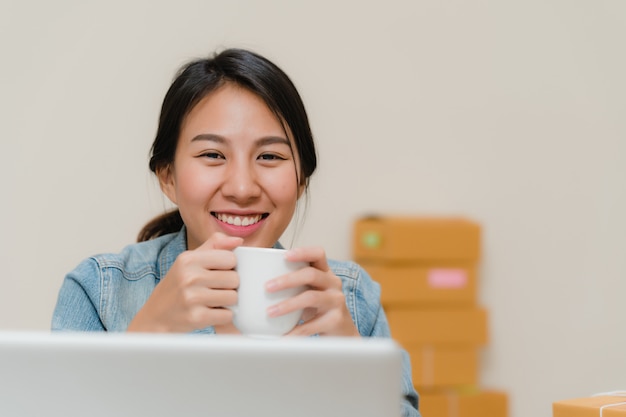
233 110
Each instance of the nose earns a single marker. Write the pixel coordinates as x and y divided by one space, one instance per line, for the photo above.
241 183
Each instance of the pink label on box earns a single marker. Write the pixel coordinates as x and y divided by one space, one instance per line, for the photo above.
447 278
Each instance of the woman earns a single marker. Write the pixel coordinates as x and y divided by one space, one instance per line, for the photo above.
234 152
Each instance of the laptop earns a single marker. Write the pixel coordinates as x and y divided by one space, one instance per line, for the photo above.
116 374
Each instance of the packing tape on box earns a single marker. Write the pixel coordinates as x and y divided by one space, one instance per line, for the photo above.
611 394
610 405
453 403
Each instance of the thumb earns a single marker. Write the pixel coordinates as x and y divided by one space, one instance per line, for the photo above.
221 241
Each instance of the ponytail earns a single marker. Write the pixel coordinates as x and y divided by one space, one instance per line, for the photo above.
164 224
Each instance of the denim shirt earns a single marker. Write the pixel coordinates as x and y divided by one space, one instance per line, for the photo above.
105 292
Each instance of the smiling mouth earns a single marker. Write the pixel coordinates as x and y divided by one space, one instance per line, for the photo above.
239 220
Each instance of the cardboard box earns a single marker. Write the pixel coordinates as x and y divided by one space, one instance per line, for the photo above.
604 405
443 366
458 404
421 285
465 326
398 239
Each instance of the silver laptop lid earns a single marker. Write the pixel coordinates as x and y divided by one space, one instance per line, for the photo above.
99 374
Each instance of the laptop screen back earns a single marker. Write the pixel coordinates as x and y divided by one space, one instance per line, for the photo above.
101 374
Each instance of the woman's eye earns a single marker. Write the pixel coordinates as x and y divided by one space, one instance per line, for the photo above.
270 157
212 155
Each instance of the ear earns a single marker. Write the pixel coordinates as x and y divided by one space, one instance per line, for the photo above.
167 182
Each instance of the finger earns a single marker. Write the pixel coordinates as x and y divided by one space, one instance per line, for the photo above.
207 259
318 325
202 317
216 252
209 297
322 301
219 280
333 323
309 276
221 241
221 298
308 314
316 256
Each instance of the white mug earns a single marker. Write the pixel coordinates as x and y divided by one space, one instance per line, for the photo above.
255 267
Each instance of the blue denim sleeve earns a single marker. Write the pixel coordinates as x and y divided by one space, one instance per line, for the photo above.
410 405
76 308
369 293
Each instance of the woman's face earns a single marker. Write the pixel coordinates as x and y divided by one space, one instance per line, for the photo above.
234 170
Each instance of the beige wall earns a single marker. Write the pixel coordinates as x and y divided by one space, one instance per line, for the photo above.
512 113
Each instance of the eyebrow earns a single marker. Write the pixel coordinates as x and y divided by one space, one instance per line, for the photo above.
209 137
266 140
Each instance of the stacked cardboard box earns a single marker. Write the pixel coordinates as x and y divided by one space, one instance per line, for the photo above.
607 405
427 269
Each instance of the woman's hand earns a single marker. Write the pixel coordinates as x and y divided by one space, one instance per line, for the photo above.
193 293
324 304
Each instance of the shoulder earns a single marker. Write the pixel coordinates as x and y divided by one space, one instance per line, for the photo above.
105 291
133 261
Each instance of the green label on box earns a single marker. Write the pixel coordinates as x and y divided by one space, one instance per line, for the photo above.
371 240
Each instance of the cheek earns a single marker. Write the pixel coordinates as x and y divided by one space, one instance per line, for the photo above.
193 186
286 190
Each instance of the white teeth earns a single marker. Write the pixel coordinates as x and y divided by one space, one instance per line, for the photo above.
239 221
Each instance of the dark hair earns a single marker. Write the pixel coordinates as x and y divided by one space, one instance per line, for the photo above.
196 80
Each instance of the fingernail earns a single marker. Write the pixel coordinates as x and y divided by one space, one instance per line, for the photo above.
272 311
270 285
